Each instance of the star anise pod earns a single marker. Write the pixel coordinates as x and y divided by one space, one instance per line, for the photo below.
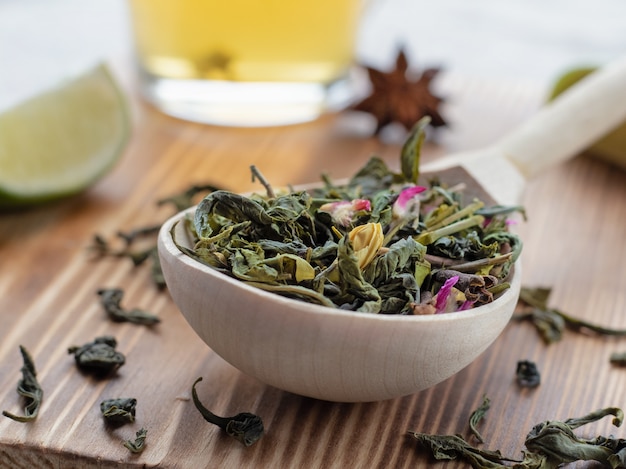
399 96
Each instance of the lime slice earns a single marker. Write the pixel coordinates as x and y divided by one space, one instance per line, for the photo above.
61 141
567 79
611 147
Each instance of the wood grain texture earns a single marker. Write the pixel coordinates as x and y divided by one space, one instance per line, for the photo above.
574 242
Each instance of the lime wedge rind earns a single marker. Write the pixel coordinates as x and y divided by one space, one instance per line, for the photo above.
63 140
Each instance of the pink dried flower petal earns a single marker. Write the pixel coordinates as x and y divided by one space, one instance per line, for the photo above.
342 211
362 204
407 200
443 295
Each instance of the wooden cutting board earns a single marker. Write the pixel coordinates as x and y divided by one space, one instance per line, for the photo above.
574 242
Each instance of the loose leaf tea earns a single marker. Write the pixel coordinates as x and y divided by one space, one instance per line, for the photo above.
244 427
111 299
551 322
98 357
549 445
29 388
379 243
477 416
454 447
618 359
185 199
557 443
118 411
139 443
147 236
527 374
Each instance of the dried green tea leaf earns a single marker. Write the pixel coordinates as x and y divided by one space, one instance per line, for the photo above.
618 359
139 443
459 226
398 275
256 174
98 357
477 416
185 199
231 207
111 299
454 447
148 235
354 289
118 411
138 257
29 388
580 325
102 247
527 374
497 210
245 427
549 445
410 155
557 442
296 291
143 232
550 322
374 177
537 297
156 271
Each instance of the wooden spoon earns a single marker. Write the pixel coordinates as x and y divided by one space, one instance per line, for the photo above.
347 356
560 130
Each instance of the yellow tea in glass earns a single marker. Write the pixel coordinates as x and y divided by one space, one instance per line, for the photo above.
245 62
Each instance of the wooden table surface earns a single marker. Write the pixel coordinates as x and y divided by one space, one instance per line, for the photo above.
574 243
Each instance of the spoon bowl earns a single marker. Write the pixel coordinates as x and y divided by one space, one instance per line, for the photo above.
321 352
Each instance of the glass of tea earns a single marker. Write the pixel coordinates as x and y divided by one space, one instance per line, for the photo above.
245 62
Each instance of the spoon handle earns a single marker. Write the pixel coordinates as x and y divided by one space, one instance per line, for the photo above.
566 126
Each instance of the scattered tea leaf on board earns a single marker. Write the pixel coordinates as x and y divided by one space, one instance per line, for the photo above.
111 299
29 388
477 416
618 358
98 357
557 443
185 199
527 374
118 411
244 427
549 445
102 248
143 232
454 447
550 322
139 443
146 235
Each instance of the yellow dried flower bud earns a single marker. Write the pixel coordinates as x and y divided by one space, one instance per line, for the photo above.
366 241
